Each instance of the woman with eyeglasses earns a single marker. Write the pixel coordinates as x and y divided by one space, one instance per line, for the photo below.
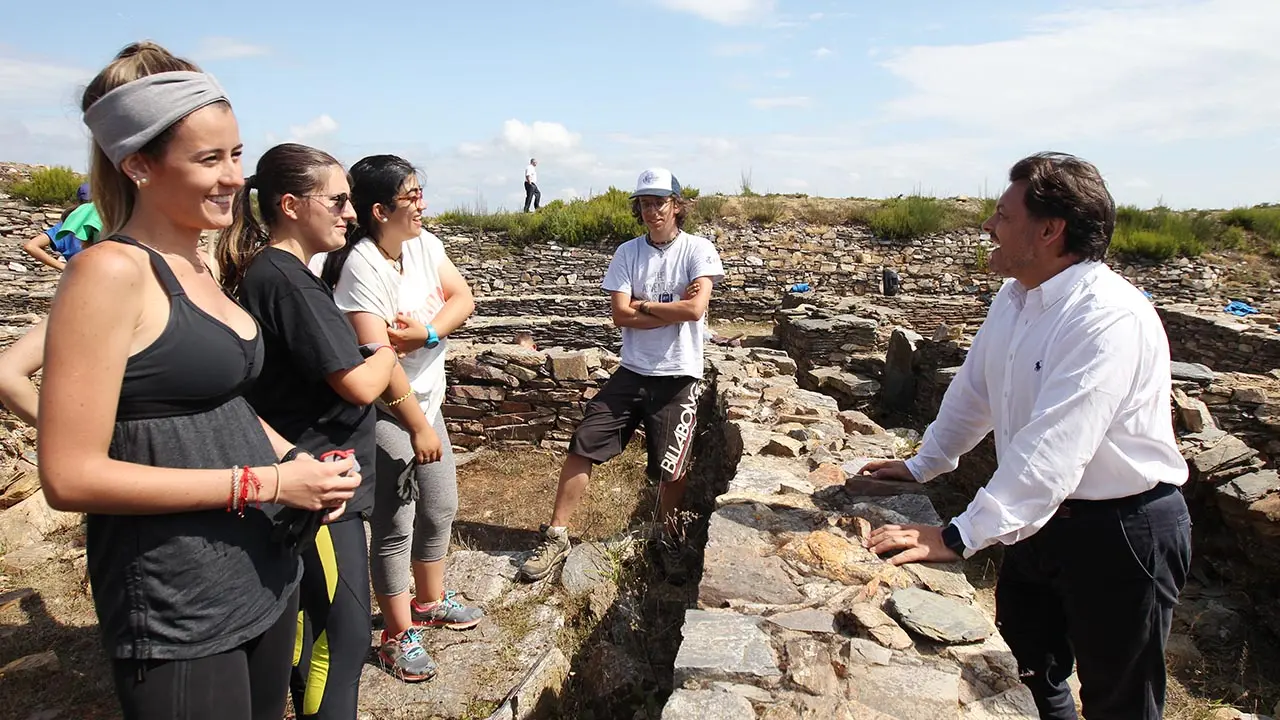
397 285
317 388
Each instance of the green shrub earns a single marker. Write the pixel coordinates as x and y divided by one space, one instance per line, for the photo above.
707 208
1261 220
689 192
909 217
603 218
1161 233
50 186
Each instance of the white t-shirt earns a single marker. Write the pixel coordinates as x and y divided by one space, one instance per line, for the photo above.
370 284
531 174
661 275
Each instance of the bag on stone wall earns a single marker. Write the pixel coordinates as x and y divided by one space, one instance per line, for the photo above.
891 283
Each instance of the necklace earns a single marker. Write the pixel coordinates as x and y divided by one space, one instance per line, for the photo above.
396 262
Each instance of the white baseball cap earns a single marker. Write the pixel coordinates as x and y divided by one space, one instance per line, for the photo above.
658 182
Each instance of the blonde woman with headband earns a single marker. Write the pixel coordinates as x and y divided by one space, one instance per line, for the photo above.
143 423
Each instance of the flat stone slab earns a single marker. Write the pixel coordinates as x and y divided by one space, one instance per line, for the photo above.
1230 451
707 705
1251 488
1191 372
917 508
723 646
29 557
942 578
481 576
813 621
920 692
939 618
587 567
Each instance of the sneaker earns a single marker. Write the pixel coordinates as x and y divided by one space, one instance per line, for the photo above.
552 551
668 557
404 656
447 613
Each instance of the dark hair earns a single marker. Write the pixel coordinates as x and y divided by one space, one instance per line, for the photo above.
288 169
113 192
375 180
682 210
1064 186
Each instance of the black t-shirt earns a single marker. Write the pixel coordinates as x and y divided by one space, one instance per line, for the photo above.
307 339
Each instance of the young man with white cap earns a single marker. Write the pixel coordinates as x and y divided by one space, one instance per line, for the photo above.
660 284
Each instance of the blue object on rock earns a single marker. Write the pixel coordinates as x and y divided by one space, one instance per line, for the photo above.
1235 307
800 287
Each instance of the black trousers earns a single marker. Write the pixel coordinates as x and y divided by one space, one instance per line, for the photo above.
1096 586
532 194
333 623
249 681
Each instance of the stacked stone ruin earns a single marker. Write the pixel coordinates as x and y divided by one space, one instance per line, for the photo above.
793 619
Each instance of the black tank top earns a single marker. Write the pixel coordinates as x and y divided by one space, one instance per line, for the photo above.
194 365
191 584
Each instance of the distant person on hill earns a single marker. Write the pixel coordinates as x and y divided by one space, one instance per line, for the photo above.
531 191
660 285
1070 372
65 243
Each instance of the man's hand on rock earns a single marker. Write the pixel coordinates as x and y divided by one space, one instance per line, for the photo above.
913 543
888 470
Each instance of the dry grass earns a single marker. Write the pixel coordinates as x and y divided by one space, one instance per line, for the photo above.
505 495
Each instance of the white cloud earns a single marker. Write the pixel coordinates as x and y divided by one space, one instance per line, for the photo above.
315 128
540 137
816 16
822 52
470 149
792 101
780 74
795 183
228 48
35 81
735 49
724 12
1205 69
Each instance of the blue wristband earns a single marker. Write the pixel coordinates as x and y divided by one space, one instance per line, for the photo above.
432 339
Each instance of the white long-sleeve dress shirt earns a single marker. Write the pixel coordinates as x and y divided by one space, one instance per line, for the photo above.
1073 377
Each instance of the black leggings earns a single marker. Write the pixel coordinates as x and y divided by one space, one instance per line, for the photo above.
249 681
333 623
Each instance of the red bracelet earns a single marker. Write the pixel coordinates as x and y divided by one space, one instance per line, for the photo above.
249 479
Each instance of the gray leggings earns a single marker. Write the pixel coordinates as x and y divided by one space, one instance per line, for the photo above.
394 521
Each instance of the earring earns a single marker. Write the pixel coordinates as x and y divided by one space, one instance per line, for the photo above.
382 219
140 181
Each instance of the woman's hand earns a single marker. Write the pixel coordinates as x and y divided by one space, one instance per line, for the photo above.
426 445
309 484
407 334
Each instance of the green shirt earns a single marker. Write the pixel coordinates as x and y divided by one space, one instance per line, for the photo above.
83 222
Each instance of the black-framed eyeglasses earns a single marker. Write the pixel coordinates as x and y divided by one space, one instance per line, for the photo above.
337 203
653 203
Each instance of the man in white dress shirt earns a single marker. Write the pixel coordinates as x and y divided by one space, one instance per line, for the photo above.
531 192
1070 371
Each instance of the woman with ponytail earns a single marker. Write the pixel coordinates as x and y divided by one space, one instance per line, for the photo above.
317 389
143 423
392 278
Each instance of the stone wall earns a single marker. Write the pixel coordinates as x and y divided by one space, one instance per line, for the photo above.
509 395
1221 341
794 618
763 262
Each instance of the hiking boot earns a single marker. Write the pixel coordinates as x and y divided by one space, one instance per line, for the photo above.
448 613
552 551
668 557
404 656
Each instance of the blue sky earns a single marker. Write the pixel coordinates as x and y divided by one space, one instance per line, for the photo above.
1176 101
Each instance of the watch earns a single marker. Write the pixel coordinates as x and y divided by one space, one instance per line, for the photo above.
951 538
432 339
292 454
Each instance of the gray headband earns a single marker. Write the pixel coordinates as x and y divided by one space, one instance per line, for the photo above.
124 120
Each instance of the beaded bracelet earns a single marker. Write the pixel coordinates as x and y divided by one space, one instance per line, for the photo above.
400 399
